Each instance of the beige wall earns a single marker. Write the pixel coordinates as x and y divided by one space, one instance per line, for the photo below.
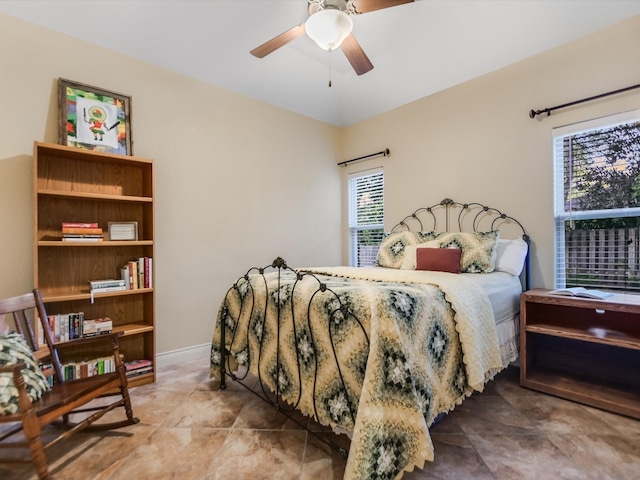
237 182
476 142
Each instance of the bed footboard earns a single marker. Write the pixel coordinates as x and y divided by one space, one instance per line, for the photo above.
300 303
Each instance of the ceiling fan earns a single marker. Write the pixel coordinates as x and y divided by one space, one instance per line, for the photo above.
329 25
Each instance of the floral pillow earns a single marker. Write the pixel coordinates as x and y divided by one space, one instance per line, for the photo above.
14 349
478 249
392 248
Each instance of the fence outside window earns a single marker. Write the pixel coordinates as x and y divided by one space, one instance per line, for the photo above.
603 258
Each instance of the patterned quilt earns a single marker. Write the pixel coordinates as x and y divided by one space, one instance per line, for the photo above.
395 347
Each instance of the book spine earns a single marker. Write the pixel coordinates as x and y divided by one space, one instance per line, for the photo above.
39 332
80 235
106 283
79 224
125 276
81 231
133 265
82 239
146 272
96 333
141 272
116 288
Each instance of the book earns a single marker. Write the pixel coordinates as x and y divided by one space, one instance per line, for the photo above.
116 288
133 274
82 239
582 292
124 271
78 235
149 271
79 224
112 282
141 273
81 231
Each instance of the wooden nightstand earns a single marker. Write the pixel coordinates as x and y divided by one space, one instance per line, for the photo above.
583 350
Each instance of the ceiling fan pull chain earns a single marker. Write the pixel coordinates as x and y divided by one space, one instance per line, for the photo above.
330 68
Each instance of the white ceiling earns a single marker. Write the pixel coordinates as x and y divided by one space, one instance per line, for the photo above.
417 49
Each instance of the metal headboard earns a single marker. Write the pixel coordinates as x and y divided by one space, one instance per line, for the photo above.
466 217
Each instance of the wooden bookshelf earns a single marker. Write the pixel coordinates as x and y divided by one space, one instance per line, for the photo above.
581 349
78 185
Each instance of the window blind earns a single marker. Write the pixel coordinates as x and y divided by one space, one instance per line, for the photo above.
366 216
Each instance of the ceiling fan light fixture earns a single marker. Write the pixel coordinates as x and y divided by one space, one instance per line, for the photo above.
328 28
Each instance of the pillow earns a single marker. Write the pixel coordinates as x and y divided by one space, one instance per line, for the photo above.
409 260
14 349
510 255
438 259
391 252
478 249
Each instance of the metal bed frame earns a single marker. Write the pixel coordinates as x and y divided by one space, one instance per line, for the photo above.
475 216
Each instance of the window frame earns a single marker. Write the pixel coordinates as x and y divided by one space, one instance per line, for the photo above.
561 214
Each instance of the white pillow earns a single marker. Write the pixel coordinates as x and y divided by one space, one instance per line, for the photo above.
510 255
409 260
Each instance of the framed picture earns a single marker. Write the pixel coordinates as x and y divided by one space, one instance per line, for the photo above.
94 118
119 231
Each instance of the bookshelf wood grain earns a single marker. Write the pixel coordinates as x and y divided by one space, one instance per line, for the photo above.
78 185
582 349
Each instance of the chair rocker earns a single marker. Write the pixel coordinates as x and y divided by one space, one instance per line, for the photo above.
65 397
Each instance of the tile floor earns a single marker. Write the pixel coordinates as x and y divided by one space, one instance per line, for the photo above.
189 429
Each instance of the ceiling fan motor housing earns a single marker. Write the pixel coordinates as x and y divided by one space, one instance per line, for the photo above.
317 5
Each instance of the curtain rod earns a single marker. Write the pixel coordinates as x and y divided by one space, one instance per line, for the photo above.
533 113
384 153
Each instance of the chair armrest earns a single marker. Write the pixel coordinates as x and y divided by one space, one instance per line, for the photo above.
13 367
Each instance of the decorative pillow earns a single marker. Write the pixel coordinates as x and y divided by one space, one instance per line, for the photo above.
14 349
438 259
510 256
478 249
409 260
391 251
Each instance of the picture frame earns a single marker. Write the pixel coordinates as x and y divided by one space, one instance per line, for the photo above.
123 231
94 118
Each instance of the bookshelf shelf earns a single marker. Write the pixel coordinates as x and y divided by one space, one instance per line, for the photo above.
78 185
105 243
95 196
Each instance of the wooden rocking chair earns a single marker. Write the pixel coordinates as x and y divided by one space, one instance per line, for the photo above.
64 398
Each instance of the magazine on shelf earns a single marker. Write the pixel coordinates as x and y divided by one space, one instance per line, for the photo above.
582 292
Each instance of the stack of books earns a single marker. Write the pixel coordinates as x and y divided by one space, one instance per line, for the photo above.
81 232
138 273
97 326
138 367
103 286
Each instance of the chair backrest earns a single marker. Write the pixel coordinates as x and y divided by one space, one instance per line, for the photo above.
24 311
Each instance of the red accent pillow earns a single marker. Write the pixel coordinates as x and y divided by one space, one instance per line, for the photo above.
438 259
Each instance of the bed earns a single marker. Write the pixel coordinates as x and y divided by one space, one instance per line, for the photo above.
381 353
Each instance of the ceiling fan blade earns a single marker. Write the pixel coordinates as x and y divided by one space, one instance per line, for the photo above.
277 42
356 56
365 6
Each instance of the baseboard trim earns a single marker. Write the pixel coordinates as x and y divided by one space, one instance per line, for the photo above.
182 355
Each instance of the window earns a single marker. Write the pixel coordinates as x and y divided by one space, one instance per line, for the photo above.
597 204
366 216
